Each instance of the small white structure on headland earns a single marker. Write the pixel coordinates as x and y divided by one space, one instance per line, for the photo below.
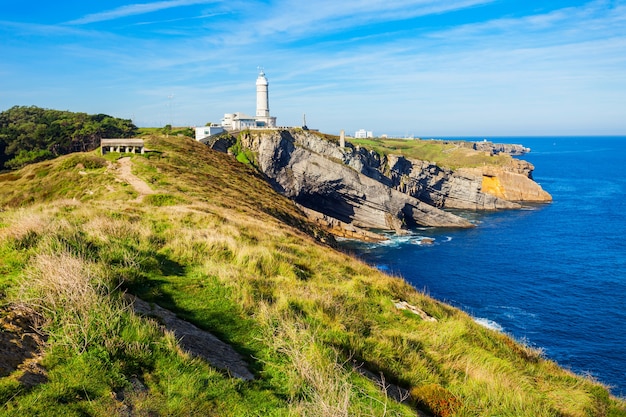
203 132
122 145
362 134
239 121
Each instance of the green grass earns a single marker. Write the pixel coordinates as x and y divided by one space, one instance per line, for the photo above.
445 155
216 245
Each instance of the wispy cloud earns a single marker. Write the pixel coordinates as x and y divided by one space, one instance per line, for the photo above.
584 22
136 9
294 18
178 19
39 29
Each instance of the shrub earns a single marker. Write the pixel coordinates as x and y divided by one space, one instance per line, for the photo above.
436 399
86 161
160 200
25 157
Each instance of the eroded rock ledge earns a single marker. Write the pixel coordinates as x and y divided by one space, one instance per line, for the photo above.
196 341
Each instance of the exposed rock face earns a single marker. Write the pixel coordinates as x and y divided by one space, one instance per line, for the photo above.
309 170
496 148
21 345
221 142
339 228
347 189
466 188
442 187
484 188
511 185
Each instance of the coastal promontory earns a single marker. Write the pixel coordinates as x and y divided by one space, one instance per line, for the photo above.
367 187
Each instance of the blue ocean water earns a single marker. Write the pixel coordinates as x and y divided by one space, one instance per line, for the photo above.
551 275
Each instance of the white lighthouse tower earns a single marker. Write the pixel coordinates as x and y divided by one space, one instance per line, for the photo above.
262 96
263 117
240 121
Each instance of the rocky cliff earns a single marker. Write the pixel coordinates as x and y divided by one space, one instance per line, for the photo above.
317 179
488 187
352 188
495 148
481 188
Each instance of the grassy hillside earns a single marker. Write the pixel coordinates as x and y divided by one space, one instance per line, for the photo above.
323 333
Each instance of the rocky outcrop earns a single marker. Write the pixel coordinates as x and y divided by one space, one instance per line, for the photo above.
349 189
339 228
508 184
318 179
482 188
465 189
442 187
496 148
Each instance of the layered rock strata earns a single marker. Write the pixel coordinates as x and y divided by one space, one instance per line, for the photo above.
349 189
326 185
464 188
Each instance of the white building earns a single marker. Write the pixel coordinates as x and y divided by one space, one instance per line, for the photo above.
240 121
363 134
206 131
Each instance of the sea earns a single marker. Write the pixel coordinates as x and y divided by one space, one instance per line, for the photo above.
551 275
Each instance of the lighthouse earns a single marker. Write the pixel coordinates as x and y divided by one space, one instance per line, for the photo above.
263 117
262 96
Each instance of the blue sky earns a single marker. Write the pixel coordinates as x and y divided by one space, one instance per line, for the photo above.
402 67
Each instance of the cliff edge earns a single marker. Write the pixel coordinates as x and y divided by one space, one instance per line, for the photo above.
322 183
351 188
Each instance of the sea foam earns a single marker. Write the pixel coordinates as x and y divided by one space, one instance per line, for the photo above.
490 324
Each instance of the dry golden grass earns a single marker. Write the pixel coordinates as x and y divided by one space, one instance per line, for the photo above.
69 292
23 223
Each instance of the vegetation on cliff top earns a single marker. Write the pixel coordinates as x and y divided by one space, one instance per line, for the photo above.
217 246
442 153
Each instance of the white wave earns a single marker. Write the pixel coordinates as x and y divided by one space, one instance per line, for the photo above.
490 324
394 241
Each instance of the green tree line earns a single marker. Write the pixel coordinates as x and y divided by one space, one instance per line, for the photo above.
31 134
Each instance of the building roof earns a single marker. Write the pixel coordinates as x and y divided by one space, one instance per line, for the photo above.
243 116
121 142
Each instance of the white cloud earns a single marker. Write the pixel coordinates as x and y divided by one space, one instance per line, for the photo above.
136 9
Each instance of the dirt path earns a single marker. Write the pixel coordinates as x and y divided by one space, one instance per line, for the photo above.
124 173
